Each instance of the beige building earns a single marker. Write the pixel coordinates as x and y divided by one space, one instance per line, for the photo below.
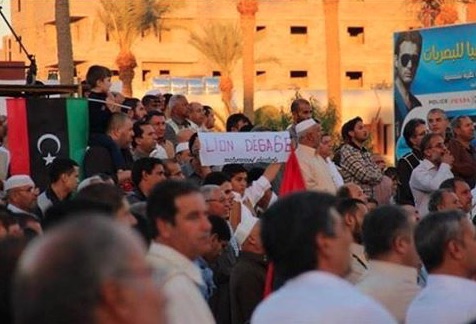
290 32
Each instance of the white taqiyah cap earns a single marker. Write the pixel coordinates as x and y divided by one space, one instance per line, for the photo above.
244 228
159 153
153 92
17 181
181 147
305 125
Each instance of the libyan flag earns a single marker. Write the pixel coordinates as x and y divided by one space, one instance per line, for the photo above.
42 129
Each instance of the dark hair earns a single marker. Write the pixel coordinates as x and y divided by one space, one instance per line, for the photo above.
138 131
380 227
233 169
436 199
296 103
216 178
59 167
412 36
425 142
234 119
191 141
254 174
456 122
219 227
207 110
68 209
146 165
130 102
349 127
451 183
289 229
97 73
348 205
167 97
343 192
433 233
148 98
161 201
103 193
410 128
11 249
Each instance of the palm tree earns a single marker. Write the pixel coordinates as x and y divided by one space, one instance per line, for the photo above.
247 10
334 90
63 41
126 20
222 45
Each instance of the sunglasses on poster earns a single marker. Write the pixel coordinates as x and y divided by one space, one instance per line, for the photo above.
405 58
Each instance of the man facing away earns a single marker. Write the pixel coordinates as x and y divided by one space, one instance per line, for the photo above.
393 260
306 240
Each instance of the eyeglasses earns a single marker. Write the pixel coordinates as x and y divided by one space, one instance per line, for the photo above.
221 200
439 145
405 58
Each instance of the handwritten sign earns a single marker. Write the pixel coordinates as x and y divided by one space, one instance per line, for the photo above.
245 148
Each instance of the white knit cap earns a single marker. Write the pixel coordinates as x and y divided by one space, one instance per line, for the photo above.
244 228
153 92
305 125
159 153
17 181
181 147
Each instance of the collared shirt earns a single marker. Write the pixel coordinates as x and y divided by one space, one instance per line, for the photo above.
15 210
47 199
319 297
425 179
357 166
392 285
314 170
358 263
445 299
180 281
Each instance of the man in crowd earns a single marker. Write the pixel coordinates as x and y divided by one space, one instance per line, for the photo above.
249 273
443 199
173 170
98 159
197 116
179 113
164 146
144 140
353 212
446 243
146 173
307 242
64 178
413 133
300 110
313 167
462 191
325 151
355 160
431 172
464 164
90 263
352 190
235 122
181 231
438 122
22 195
387 234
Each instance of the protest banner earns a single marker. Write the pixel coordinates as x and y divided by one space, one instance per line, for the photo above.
245 148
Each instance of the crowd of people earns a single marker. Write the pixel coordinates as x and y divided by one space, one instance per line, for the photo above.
150 235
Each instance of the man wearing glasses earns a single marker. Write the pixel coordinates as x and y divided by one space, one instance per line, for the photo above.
406 58
21 195
431 172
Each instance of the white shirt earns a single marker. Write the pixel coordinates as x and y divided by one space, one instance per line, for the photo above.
314 170
446 300
392 285
425 179
319 297
335 174
179 278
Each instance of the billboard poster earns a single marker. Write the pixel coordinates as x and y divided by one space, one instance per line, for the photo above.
433 68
